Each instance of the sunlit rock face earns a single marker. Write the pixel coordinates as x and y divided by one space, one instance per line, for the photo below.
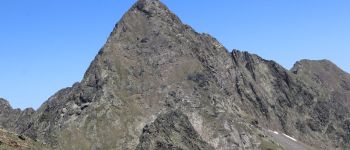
158 84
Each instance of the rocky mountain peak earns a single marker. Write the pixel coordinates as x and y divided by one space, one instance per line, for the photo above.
324 65
150 6
147 30
158 84
323 72
148 39
144 14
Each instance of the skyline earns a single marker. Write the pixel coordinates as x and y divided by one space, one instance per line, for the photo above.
47 46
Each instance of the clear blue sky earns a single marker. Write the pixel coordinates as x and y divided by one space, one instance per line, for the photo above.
47 45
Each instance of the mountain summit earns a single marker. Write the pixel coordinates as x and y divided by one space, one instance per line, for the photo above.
158 84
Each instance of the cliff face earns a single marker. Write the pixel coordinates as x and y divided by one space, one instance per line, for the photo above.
310 102
330 115
14 119
158 84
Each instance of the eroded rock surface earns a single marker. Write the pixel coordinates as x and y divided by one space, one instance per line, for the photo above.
172 130
158 84
14 120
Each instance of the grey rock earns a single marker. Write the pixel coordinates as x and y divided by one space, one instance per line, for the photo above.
331 111
153 64
14 120
172 130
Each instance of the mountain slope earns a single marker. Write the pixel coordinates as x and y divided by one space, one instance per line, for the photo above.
290 103
150 64
331 114
11 141
158 84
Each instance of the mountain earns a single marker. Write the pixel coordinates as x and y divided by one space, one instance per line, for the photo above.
158 84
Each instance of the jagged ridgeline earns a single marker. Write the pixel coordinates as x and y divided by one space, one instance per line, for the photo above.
158 84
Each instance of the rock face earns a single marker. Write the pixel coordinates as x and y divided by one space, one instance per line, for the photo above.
172 130
158 84
14 119
330 115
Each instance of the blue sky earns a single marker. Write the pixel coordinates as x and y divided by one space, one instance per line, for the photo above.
47 45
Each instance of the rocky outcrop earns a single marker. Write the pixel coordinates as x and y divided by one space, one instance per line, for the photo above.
172 130
158 84
14 120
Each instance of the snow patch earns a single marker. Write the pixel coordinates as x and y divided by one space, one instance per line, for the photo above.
274 132
290 137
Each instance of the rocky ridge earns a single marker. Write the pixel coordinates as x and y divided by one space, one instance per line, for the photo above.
14 119
158 84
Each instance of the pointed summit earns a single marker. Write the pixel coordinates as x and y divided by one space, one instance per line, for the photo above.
158 83
146 15
150 7
151 62
149 34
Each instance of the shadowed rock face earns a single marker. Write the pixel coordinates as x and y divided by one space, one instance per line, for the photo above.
158 84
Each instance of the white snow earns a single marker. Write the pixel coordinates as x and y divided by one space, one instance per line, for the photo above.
290 137
274 132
